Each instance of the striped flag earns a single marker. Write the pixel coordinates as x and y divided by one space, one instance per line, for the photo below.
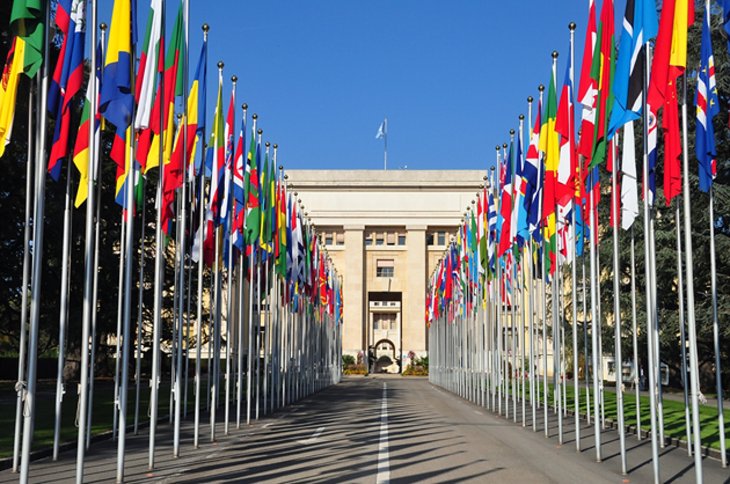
9 90
708 107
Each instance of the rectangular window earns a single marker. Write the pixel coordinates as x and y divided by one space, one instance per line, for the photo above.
379 239
429 238
391 238
441 238
401 239
384 268
328 239
340 238
369 239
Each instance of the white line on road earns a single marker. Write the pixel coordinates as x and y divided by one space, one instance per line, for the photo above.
313 438
383 464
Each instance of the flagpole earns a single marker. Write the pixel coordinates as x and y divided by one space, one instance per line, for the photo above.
385 144
252 261
180 244
120 309
241 300
682 335
20 385
159 271
635 336
63 312
618 360
715 332
594 319
574 255
89 267
95 289
140 306
691 327
523 279
650 315
38 221
201 267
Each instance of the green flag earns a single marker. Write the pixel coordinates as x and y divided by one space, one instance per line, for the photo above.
26 21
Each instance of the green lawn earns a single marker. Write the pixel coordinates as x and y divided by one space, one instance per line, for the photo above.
102 416
674 422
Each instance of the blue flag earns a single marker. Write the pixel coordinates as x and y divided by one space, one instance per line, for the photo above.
707 108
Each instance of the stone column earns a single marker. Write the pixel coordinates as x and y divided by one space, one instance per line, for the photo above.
353 338
414 298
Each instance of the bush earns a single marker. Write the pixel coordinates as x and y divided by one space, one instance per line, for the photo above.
354 369
347 360
416 370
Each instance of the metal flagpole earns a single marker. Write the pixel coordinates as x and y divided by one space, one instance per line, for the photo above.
650 314
594 321
140 322
63 313
159 275
201 267
20 385
716 331
531 300
120 309
89 267
523 281
618 360
682 335
229 272
180 244
95 290
635 337
216 302
241 306
691 328
385 144
574 255
35 296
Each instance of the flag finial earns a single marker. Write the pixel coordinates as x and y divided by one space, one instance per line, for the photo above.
205 28
571 26
220 64
555 54
102 26
541 87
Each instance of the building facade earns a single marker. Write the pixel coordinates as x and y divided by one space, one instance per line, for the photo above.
385 232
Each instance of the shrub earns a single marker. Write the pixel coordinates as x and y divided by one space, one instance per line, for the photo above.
347 360
354 369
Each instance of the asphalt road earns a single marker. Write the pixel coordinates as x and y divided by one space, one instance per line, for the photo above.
378 429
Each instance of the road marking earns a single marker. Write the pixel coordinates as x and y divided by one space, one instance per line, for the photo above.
266 426
478 412
313 438
383 464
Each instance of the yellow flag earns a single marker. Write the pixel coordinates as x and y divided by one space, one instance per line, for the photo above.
9 90
682 20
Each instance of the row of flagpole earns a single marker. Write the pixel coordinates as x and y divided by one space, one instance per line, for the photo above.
280 325
501 291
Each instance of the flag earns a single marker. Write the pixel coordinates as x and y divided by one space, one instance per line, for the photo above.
211 213
67 80
9 90
587 88
565 127
505 205
148 63
549 146
81 147
629 188
708 107
639 25
253 206
26 22
117 99
602 73
239 193
162 117
382 130
531 174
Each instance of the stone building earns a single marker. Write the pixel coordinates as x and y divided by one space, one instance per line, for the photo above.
385 232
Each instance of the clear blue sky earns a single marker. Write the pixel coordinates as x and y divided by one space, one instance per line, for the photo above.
452 77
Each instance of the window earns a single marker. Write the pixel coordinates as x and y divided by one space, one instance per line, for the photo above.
369 239
441 238
429 238
401 239
384 268
328 239
391 238
379 239
340 238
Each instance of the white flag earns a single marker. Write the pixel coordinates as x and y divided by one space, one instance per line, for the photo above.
382 130
629 188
